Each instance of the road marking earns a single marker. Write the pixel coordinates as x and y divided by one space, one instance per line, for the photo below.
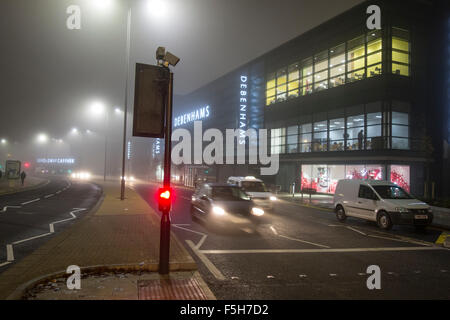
9 247
274 230
347 250
270 277
199 244
189 230
49 196
12 207
333 275
9 253
234 278
356 230
181 225
28 202
298 240
361 274
302 276
208 264
4 264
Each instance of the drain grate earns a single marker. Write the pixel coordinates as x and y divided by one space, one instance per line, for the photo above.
170 289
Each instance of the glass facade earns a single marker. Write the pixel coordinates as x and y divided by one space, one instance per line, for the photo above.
323 178
357 59
355 128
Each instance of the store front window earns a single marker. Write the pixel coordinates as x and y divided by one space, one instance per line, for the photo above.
400 175
323 178
277 138
400 52
305 137
292 139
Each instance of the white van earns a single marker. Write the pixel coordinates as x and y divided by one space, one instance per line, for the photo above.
381 201
256 190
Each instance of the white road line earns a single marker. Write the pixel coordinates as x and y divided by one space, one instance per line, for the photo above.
49 196
200 243
274 230
9 253
356 230
181 225
4 264
32 238
208 264
347 250
12 207
400 240
298 240
28 202
189 230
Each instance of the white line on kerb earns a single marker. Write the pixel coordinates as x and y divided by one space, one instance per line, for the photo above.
28 202
211 267
9 253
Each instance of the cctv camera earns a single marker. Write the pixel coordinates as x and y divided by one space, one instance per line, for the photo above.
160 53
171 59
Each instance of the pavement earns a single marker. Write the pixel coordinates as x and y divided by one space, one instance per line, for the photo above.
114 236
300 252
14 186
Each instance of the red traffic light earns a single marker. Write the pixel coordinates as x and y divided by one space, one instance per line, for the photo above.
164 199
26 165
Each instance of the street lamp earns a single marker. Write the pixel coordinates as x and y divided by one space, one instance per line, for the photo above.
3 141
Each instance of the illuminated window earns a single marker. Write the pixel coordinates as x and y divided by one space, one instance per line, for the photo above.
305 137
271 91
292 139
277 139
400 52
307 76
293 78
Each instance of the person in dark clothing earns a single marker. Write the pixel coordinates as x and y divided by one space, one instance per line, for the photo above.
360 140
23 175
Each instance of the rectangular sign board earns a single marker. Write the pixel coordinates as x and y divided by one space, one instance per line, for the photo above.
12 169
150 100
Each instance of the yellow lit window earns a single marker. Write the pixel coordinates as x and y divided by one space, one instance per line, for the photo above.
270 100
294 75
357 64
400 69
400 57
374 46
281 89
400 44
374 70
281 79
293 85
374 58
356 53
270 92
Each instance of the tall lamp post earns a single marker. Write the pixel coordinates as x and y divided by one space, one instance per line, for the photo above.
125 118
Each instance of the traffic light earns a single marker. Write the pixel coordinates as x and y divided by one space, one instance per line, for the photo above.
164 199
26 165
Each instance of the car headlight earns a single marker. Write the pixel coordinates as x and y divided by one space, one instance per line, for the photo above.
401 209
257 212
218 211
272 198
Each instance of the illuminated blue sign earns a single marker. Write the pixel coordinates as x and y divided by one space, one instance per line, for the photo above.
243 93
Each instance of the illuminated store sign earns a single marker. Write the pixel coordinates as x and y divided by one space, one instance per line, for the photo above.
196 115
56 160
156 147
243 109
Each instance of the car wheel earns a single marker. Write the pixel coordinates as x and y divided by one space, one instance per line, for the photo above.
384 221
340 214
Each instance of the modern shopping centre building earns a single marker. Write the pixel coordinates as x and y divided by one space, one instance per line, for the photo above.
341 101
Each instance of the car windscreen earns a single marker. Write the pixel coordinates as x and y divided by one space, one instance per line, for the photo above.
254 186
392 192
228 194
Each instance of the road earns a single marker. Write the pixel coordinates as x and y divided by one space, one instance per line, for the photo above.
304 253
29 218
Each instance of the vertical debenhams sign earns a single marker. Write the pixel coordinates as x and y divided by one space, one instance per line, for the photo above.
243 94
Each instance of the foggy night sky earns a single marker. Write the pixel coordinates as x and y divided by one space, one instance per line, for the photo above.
50 75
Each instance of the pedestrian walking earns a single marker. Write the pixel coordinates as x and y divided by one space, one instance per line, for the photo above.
23 175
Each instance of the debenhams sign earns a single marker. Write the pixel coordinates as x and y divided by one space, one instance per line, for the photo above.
196 115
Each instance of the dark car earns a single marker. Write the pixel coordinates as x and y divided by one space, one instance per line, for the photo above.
224 204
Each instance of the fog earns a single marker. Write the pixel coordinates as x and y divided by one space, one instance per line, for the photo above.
51 76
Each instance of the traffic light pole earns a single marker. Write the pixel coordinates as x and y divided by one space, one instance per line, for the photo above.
164 245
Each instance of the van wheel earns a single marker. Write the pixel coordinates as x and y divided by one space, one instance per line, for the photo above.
384 221
340 214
